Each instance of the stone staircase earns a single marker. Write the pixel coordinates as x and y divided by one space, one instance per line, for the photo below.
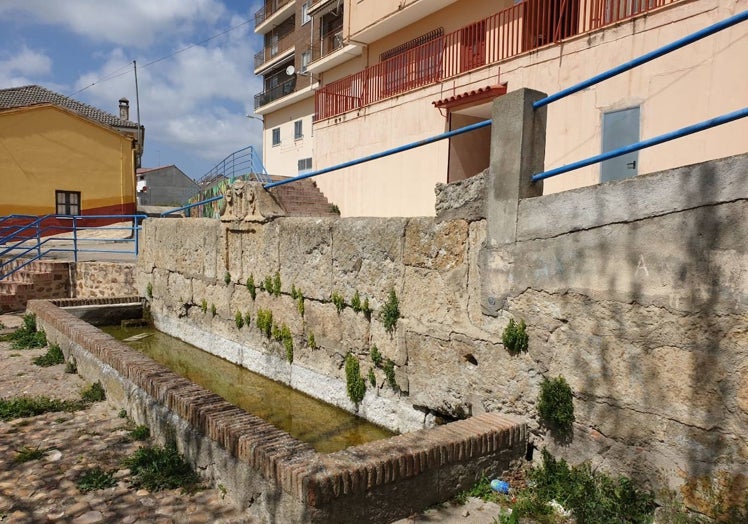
40 279
302 199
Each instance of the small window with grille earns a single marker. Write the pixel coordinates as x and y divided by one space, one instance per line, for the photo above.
67 202
305 164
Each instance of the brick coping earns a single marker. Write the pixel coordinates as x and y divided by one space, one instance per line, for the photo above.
313 478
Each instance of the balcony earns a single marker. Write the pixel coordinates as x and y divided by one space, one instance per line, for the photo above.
277 49
284 88
522 27
272 13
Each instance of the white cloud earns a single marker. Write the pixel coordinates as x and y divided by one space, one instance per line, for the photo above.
195 101
16 70
136 23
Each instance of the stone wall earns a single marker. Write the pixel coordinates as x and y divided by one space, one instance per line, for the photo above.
634 291
92 279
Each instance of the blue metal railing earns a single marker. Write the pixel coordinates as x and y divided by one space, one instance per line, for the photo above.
32 238
242 162
190 206
643 144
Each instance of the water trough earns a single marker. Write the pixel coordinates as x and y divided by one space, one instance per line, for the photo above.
272 475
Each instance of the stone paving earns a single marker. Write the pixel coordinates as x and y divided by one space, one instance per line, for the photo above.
45 490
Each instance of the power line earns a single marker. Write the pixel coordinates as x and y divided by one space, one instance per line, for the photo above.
119 72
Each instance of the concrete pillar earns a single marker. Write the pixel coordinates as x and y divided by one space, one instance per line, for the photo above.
517 152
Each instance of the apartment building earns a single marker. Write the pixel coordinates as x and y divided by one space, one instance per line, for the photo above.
376 74
286 103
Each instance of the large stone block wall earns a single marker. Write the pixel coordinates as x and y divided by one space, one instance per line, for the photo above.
634 291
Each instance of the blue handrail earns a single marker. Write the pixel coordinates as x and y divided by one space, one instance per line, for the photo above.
684 131
190 206
32 241
388 152
669 48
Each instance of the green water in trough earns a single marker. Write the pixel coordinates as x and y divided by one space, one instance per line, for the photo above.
321 425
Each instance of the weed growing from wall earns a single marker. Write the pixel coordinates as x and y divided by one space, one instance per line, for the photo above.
227 278
264 321
515 338
294 292
390 312
356 302
376 356
247 319
556 406
338 300
287 342
276 331
149 290
355 384
213 310
389 372
366 309
204 306
300 304
333 208
251 286
372 378
277 284
239 320
310 341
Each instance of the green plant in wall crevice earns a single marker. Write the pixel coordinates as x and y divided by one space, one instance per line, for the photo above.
287 339
239 320
376 356
213 310
337 299
149 290
300 303
310 341
390 312
204 306
356 302
556 406
227 278
355 384
277 284
389 372
251 286
366 309
514 337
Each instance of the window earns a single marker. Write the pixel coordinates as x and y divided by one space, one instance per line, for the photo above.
67 202
305 13
306 57
276 136
305 164
298 130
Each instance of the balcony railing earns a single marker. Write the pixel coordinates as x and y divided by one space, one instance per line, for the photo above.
522 27
267 10
274 93
284 43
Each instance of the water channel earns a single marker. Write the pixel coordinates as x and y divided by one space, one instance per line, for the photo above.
321 425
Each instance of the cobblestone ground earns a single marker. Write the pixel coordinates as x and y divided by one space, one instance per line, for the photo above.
45 490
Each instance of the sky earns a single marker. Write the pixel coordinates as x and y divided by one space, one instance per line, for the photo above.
194 68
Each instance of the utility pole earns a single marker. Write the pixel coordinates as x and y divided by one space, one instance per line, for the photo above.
137 108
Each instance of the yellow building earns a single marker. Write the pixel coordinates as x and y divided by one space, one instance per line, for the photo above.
60 156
